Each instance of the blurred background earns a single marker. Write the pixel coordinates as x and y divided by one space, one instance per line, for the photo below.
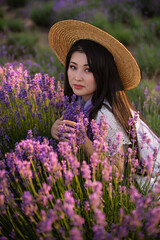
24 26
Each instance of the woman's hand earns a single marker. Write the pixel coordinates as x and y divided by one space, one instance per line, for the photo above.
57 123
69 126
88 145
54 128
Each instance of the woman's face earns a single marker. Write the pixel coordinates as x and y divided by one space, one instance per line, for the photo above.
80 78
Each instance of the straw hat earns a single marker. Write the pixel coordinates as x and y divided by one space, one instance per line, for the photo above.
63 34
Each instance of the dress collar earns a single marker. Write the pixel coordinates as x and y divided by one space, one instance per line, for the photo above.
85 105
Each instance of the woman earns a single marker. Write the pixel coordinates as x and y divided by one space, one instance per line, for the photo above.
98 70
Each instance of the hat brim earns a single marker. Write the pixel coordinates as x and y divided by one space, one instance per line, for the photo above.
63 34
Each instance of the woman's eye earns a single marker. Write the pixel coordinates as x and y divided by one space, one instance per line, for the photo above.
88 70
72 67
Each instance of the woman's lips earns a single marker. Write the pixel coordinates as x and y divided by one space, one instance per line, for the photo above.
78 86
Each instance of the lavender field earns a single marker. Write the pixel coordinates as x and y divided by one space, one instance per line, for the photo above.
52 190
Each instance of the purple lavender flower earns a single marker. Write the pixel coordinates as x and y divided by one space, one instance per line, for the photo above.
157 88
99 232
75 234
94 200
68 205
28 206
2 204
106 171
86 172
45 225
44 195
24 169
68 174
71 109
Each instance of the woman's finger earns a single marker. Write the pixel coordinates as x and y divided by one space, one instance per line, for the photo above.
70 123
69 129
60 121
65 137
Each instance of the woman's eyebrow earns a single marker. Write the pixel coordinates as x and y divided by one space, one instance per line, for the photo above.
73 62
77 64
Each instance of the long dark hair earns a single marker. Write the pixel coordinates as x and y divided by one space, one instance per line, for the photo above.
109 85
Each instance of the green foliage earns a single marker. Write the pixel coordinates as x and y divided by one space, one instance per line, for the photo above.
151 111
93 4
15 25
1 13
42 14
120 12
148 59
154 26
124 35
100 20
145 99
135 21
137 97
149 8
21 44
116 29
45 61
3 24
69 12
16 3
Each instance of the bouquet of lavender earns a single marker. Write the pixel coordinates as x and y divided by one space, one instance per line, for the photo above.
74 112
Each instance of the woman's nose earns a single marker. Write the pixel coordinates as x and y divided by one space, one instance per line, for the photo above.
78 75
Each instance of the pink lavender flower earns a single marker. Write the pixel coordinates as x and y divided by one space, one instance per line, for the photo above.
99 129
65 149
99 232
106 171
45 225
86 172
153 219
28 206
3 181
94 200
2 203
100 224
87 206
131 122
149 164
75 234
119 136
68 207
157 188
52 165
68 174
94 160
44 195
100 217
24 169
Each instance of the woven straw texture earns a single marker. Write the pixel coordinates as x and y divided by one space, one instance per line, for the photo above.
63 34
